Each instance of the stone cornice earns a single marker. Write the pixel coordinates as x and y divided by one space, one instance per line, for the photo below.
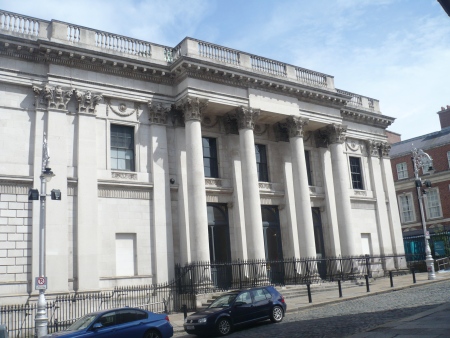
235 76
91 60
359 115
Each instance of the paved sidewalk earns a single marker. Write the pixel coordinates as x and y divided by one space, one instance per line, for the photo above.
376 286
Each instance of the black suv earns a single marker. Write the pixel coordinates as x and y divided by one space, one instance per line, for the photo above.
237 308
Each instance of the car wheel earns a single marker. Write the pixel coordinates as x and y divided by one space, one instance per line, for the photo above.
276 315
223 327
152 334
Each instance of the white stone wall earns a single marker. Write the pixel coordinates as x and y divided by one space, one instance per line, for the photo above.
15 238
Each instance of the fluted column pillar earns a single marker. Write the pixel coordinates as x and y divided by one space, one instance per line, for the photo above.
162 237
336 138
252 203
193 108
305 224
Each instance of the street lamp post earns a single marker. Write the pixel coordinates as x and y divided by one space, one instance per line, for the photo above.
422 160
41 319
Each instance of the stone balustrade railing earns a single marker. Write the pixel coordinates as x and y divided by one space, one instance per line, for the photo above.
359 101
95 40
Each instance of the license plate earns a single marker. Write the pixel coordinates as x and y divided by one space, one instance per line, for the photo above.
190 327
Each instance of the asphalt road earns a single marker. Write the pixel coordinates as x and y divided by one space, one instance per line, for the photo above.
352 316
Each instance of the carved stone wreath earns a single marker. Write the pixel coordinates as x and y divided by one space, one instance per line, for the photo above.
352 145
122 109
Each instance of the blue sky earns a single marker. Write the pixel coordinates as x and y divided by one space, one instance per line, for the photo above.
396 51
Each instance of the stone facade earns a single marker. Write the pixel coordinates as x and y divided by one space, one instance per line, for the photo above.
172 155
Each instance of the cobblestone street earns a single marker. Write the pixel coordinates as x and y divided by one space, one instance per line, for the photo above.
350 317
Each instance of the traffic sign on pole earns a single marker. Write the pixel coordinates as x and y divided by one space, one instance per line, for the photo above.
40 283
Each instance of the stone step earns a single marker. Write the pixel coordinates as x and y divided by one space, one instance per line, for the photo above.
293 291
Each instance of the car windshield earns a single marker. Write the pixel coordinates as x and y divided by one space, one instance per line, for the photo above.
81 323
224 301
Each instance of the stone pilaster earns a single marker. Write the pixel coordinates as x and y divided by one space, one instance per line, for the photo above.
392 206
246 118
56 224
87 229
305 224
192 108
384 237
162 234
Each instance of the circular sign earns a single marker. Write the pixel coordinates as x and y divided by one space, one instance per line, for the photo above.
41 280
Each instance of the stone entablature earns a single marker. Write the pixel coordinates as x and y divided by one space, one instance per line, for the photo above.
161 63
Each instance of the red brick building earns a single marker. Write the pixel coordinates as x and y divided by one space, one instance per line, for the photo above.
437 201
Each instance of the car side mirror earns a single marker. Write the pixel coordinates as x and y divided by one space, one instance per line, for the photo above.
97 326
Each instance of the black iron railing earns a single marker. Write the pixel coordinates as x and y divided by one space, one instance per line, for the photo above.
199 278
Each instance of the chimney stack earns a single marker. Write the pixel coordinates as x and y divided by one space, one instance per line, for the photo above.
444 117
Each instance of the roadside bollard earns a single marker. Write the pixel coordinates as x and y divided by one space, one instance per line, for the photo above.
413 271
308 286
367 283
184 309
392 280
340 288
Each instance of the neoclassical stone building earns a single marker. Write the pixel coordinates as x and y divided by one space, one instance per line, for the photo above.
172 155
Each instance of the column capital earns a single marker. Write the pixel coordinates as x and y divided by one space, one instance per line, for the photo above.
53 97
158 112
87 101
246 117
385 149
336 133
373 148
192 107
295 125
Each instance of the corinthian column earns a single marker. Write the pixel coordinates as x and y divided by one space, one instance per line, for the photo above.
336 138
305 224
193 108
252 203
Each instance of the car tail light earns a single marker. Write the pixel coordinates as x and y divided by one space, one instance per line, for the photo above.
167 318
282 299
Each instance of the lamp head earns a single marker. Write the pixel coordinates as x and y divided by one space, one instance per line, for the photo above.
47 173
431 170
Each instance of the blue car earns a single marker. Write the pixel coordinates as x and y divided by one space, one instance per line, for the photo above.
237 308
119 323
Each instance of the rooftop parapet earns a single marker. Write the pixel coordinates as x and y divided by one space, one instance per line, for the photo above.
99 41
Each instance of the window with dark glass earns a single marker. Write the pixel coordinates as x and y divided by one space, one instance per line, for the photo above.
308 167
210 157
355 169
122 147
261 163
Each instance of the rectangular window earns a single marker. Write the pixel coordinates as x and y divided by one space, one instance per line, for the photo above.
402 170
355 169
122 147
261 163
433 204
308 167
448 158
210 157
406 208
